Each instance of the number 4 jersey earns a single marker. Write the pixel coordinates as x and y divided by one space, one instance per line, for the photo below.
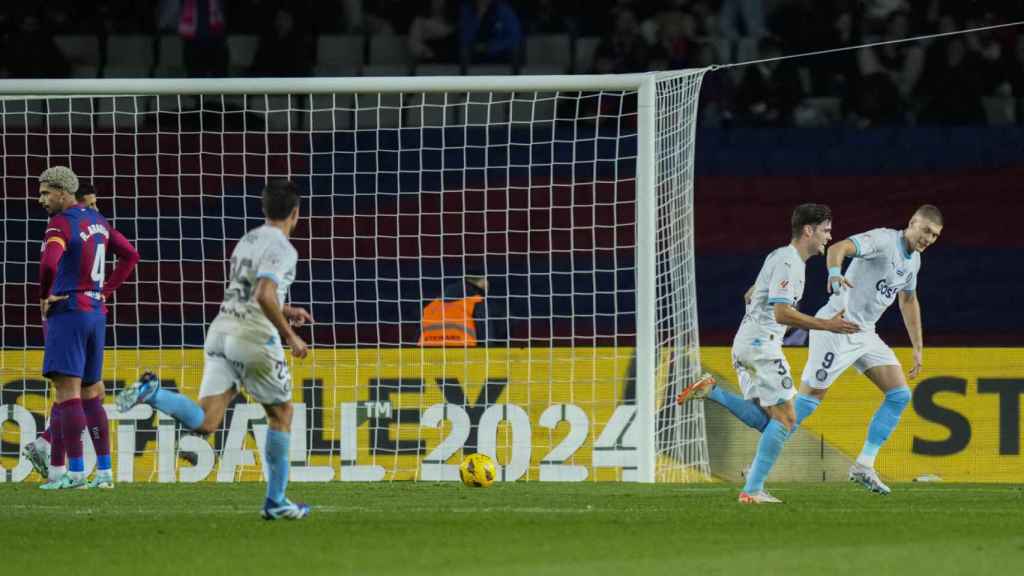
75 244
263 252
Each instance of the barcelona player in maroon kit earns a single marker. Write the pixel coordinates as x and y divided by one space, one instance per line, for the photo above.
72 295
46 452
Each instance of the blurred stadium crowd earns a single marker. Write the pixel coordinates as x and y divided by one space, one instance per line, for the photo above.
964 79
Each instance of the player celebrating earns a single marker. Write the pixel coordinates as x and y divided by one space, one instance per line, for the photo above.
885 267
764 374
243 346
72 299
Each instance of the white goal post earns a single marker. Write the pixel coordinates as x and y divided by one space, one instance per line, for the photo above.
572 195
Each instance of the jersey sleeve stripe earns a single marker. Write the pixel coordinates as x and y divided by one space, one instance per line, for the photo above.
856 244
270 275
778 300
58 240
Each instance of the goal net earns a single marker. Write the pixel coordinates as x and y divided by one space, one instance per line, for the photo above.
571 195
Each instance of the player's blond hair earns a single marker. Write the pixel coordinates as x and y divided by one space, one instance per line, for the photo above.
60 177
930 213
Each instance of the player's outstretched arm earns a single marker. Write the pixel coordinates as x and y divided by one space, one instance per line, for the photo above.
266 297
910 308
834 258
789 316
127 258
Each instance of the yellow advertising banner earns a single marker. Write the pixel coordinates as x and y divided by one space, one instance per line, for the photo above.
963 424
546 414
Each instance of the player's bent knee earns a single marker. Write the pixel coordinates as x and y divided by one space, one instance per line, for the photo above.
94 390
808 390
210 424
206 428
900 396
784 415
279 416
788 421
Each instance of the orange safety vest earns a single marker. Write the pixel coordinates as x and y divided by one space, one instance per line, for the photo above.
450 324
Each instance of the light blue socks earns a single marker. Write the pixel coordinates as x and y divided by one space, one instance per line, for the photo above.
885 420
748 412
278 444
805 406
179 407
768 450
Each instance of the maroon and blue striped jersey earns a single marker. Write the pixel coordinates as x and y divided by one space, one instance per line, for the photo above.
79 239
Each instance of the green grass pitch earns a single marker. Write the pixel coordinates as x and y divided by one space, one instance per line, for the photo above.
522 528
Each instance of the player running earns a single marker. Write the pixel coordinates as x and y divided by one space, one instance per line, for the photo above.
885 268
243 346
764 374
72 300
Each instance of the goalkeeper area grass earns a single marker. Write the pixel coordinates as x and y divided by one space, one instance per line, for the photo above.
535 528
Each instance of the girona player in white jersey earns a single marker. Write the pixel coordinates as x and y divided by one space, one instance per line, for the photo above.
764 374
243 346
885 268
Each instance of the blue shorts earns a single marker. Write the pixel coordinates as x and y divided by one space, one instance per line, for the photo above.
74 345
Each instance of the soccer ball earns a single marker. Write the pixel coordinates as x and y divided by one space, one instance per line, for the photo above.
477 470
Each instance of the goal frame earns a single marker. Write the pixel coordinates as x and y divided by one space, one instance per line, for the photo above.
645 84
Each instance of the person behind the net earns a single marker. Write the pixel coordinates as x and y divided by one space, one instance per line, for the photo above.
885 267
72 301
764 374
243 345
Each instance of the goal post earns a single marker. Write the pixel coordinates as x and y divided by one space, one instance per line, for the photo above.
573 195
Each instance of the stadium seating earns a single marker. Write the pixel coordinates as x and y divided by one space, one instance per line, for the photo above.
170 61
1000 110
583 60
438 70
389 50
549 50
490 70
339 55
83 52
129 56
242 49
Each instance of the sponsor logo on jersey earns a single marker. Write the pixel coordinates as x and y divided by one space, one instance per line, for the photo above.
885 290
784 284
821 374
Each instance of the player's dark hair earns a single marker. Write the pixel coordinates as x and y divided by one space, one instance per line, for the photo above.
83 191
930 213
280 197
809 214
